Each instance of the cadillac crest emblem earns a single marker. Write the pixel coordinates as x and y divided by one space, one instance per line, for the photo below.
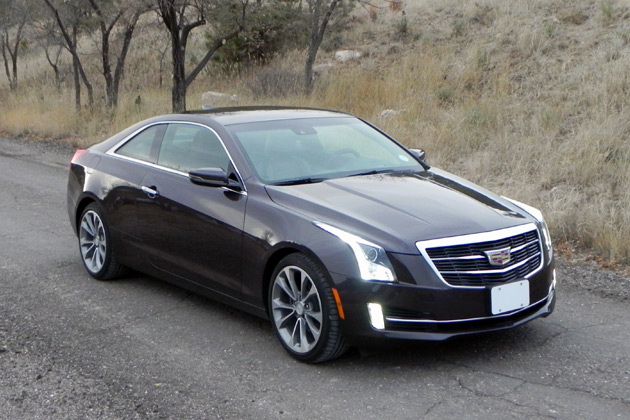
498 257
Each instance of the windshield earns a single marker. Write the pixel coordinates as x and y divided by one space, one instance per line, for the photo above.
315 149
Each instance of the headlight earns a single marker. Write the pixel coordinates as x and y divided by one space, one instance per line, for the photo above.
537 214
371 258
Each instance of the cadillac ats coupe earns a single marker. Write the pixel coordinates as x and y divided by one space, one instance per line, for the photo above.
313 219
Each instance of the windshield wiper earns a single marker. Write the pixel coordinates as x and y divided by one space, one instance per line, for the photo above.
385 171
299 181
373 172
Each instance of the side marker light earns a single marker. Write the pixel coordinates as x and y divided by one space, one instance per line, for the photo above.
338 301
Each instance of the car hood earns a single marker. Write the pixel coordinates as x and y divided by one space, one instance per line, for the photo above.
397 210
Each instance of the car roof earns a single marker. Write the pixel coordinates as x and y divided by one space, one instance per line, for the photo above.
242 115
222 117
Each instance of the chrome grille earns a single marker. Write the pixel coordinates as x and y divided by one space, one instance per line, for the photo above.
463 261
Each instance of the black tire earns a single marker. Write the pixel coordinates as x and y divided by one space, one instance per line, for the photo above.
95 245
305 316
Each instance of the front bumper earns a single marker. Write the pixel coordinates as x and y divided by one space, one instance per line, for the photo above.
413 312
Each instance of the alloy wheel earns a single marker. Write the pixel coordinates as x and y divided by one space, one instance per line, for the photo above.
296 309
93 241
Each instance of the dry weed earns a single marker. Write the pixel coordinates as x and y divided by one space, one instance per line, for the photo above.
533 102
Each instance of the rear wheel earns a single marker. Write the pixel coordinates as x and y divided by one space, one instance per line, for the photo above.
303 310
95 245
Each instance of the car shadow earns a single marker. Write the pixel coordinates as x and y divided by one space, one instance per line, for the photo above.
503 345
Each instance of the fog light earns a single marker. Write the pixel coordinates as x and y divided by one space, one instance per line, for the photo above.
376 316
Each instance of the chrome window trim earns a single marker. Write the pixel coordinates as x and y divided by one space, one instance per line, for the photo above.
478 238
112 152
453 321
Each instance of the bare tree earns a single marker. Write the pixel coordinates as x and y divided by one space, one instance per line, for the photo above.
52 56
181 17
13 18
45 35
74 17
109 15
319 13
52 49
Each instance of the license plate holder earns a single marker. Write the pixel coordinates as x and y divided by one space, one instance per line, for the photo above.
509 297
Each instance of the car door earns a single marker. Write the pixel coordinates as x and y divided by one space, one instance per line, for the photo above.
120 176
190 230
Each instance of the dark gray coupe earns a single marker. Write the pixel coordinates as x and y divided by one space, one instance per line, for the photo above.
314 219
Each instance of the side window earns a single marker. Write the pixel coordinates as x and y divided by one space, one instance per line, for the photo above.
187 146
143 145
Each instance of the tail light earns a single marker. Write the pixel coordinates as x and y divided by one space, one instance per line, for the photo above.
78 154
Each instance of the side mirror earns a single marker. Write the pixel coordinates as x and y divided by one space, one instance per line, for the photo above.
210 177
214 177
418 154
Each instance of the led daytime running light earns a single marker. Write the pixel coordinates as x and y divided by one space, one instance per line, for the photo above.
372 259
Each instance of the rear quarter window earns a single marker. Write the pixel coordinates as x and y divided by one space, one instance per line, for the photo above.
143 146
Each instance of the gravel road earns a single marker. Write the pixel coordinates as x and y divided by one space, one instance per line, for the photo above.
138 348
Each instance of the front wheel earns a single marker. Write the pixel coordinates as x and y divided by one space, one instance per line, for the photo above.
303 310
95 245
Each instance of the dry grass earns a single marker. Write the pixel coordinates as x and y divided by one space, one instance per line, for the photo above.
529 99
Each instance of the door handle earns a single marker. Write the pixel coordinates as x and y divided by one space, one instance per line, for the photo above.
152 191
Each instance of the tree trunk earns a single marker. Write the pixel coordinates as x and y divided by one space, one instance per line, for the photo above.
178 96
88 86
13 50
79 68
54 64
14 54
112 79
178 37
179 33
178 56
309 80
7 70
77 85
120 66
318 30
107 68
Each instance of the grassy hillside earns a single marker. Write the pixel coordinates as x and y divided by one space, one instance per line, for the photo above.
527 98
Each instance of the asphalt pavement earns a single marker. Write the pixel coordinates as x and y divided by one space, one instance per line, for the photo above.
138 348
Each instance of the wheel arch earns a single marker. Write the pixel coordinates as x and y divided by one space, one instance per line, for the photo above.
83 203
280 252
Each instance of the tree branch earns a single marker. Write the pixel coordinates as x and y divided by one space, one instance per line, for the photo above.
327 16
218 43
189 27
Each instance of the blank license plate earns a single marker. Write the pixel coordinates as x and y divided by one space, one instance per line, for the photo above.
509 297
